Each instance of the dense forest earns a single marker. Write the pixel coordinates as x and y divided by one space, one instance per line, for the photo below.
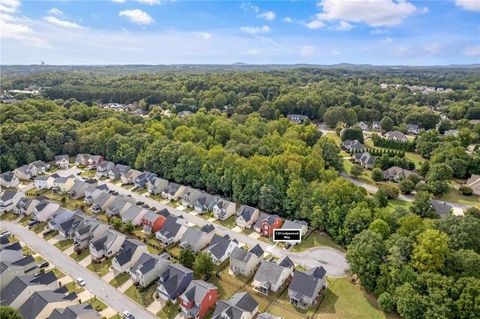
239 144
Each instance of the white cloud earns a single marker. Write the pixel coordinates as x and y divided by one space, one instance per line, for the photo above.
433 48
62 23
205 35
387 40
55 12
248 7
137 16
335 52
315 24
307 50
472 50
470 5
251 52
377 31
372 12
149 2
268 15
255 30
9 6
343 26
287 20
119 1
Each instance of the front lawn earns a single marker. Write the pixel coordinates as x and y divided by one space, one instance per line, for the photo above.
455 196
51 235
229 222
100 268
366 176
38 228
79 257
73 287
27 251
316 239
144 297
58 273
169 311
10 216
175 251
97 304
64 244
119 280
24 221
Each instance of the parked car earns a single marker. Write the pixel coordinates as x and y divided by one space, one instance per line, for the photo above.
45 233
43 265
32 223
128 315
81 282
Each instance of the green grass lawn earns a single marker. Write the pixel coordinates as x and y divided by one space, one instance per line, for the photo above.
64 244
343 300
39 259
144 297
27 251
169 311
335 138
70 203
8 216
366 176
81 256
175 251
58 273
73 287
119 280
117 316
97 304
416 158
229 222
24 221
51 235
455 196
38 228
100 268
316 239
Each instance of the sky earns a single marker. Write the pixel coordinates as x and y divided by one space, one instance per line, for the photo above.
380 32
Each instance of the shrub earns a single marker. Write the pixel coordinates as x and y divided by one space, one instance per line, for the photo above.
386 302
465 190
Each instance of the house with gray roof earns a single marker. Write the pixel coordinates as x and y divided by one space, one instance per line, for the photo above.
413 129
119 205
223 209
60 216
172 231
22 287
198 299
104 168
42 303
240 306
297 225
107 245
197 239
220 248
190 196
376 126
80 311
79 187
205 203
243 262
13 263
118 171
81 159
148 268
44 210
88 230
62 161
396 136
173 281
25 172
41 166
68 227
362 125
44 181
271 275
396 174
306 286
441 208
102 202
25 206
350 145
156 185
8 200
143 178
129 176
365 159
94 160
91 193
173 191
9 179
129 253
63 184
297 118
246 216
134 214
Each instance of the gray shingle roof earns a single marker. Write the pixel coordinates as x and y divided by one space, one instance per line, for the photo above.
306 284
11 291
127 251
83 310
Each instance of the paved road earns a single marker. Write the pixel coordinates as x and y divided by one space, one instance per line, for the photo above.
112 297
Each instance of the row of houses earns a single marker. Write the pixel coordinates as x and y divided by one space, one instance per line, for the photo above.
34 293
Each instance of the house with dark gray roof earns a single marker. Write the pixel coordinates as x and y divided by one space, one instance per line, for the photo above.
190 196
396 174
240 306
129 254
133 214
246 216
79 187
271 275
148 268
296 225
129 176
413 129
25 206
198 299
9 179
118 171
119 205
63 184
156 185
62 161
44 210
44 181
41 304
102 202
8 200
173 281
173 191
88 230
205 203
365 159
220 248
243 262
91 193
81 159
80 311
396 136
172 231
104 168
197 239
143 178
26 172
107 245
350 145
306 286
223 209
22 287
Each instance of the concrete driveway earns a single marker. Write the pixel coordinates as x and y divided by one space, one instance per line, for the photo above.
109 276
108 294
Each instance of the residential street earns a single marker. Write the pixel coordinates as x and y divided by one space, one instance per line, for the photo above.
108 294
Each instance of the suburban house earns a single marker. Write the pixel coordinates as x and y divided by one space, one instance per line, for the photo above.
474 183
129 176
153 222
143 178
364 159
81 159
196 239
173 191
223 209
106 245
297 118
246 216
22 287
297 225
396 136
306 286
94 160
173 281
40 166
133 214
205 203
42 303
13 263
25 206
92 193
362 125
396 174
350 145
102 202
172 230
270 276
220 248
198 299
25 172
44 210
128 255
266 223
156 185
441 208
104 168
61 216
118 171
44 181
79 187
63 184
62 161
8 200
240 306
376 126
245 262
190 196
88 230
68 227
119 205
413 129
148 268
80 311
9 179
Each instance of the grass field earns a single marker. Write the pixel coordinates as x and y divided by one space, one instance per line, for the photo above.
58 273
119 280
51 235
144 297
8 216
335 138
81 256
24 221
38 228
73 287
100 268
416 158
366 176
64 244
315 239
97 304
169 311
455 196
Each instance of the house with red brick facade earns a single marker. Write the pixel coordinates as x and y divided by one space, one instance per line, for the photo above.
266 223
153 222
198 299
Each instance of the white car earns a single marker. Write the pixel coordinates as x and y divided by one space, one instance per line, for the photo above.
128 315
81 282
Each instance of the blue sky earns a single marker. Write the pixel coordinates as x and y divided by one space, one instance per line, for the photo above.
378 32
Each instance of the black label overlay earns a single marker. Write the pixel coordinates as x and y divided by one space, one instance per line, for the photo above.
288 235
